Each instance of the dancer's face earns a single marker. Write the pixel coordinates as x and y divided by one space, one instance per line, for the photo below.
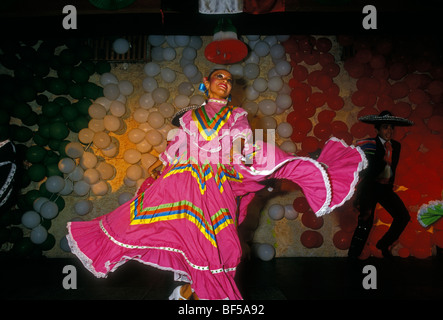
219 85
386 131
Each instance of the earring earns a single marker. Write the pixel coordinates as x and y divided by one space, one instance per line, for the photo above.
203 89
229 98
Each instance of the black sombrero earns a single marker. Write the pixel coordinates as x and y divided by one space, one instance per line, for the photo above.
176 117
386 117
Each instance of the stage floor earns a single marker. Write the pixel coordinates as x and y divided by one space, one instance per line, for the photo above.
279 279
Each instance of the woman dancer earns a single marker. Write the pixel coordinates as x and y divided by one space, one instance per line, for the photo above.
186 220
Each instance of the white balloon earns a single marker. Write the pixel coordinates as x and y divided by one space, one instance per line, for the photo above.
140 115
74 149
160 95
151 69
182 40
186 88
91 176
253 58
96 125
156 120
275 84
88 160
265 251
105 102
83 207
166 109
197 99
260 84
81 187
195 42
107 78
168 75
96 111
143 146
267 107
125 87
290 212
49 210
157 54
31 219
283 68
85 135
100 188
76 174
37 204
111 91
156 40
283 101
154 137
38 235
277 51
149 84
146 100
190 70
101 140
136 135
147 160
106 170
189 53
276 212
132 156
284 129
261 48
268 122
251 71
251 93
121 46
54 184
134 172
68 188
236 70
251 107
288 146
181 101
117 108
111 123
124 197
169 54
112 150
271 40
252 37
66 165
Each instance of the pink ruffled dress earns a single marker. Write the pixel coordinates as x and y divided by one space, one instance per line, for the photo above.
186 220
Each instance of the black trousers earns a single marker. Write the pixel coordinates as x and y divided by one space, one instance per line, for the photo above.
388 199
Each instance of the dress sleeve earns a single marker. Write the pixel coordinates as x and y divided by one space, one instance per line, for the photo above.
240 128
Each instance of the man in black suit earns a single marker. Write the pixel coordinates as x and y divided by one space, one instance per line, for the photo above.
377 184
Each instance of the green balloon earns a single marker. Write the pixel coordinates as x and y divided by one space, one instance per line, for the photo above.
30 119
102 67
84 52
65 72
39 85
83 106
43 130
58 130
60 202
69 113
4 117
57 86
20 133
54 144
75 90
23 73
37 172
43 192
26 93
89 66
41 68
51 157
62 101
92 91
79 74
23 247
68 57
53 170
15 235
41 99
35 154
30 197
21 110
51 109
62 147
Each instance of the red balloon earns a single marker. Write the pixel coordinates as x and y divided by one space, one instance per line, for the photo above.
310 220
323 44
317 99
338 126
300 72
377 232
402 109
325 58
301 205
423 110
435 123
403 252
310 144
371 85
333 90
342 239
298 95
378 61
311 58
399 90
360 98
313 77
385 102
397 70
418 96
359 130
345 136
381 74
413 80
331 69
384 216
408 236
435 87
367 111
324 81
363 56
303 125
325 116
311 239
322 130
437 237
298 136
335 102
354 68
